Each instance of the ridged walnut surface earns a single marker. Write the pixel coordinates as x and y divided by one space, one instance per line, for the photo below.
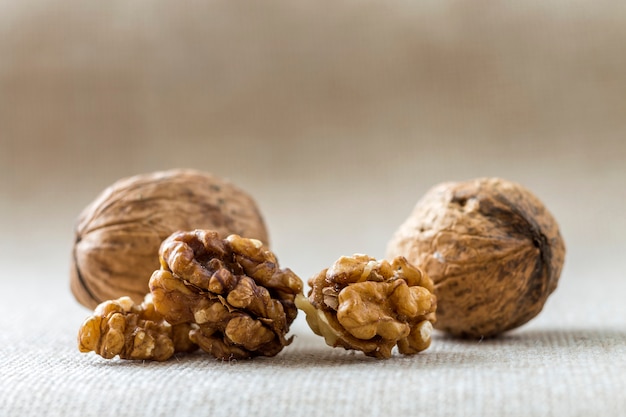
231 291
118 235
492 249
131 331
363 304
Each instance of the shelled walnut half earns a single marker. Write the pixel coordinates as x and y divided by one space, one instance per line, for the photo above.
368 305
122 328
231 291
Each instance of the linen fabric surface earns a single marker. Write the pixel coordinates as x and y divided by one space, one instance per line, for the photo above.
570 361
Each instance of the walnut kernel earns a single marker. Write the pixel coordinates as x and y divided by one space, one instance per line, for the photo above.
118 235
231 291
492 249
368 305
122 328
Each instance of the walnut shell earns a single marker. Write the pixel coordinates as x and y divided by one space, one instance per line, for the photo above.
118 235
492 249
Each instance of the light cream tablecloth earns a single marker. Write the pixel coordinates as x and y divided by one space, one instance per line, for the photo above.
569 362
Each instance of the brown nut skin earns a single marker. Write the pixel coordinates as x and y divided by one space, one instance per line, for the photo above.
122 328
118 235
231 291
492 249
363 304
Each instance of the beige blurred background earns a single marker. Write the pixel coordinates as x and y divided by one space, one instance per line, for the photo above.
336 116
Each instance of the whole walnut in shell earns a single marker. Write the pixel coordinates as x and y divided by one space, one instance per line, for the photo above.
118 235
492 249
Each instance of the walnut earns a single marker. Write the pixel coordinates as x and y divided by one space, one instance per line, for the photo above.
231 291
122 328
493 250
118 235
368 305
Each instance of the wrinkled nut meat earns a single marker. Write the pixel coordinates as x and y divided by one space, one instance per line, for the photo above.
122 328
492 249
368 305
231 291
118 235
